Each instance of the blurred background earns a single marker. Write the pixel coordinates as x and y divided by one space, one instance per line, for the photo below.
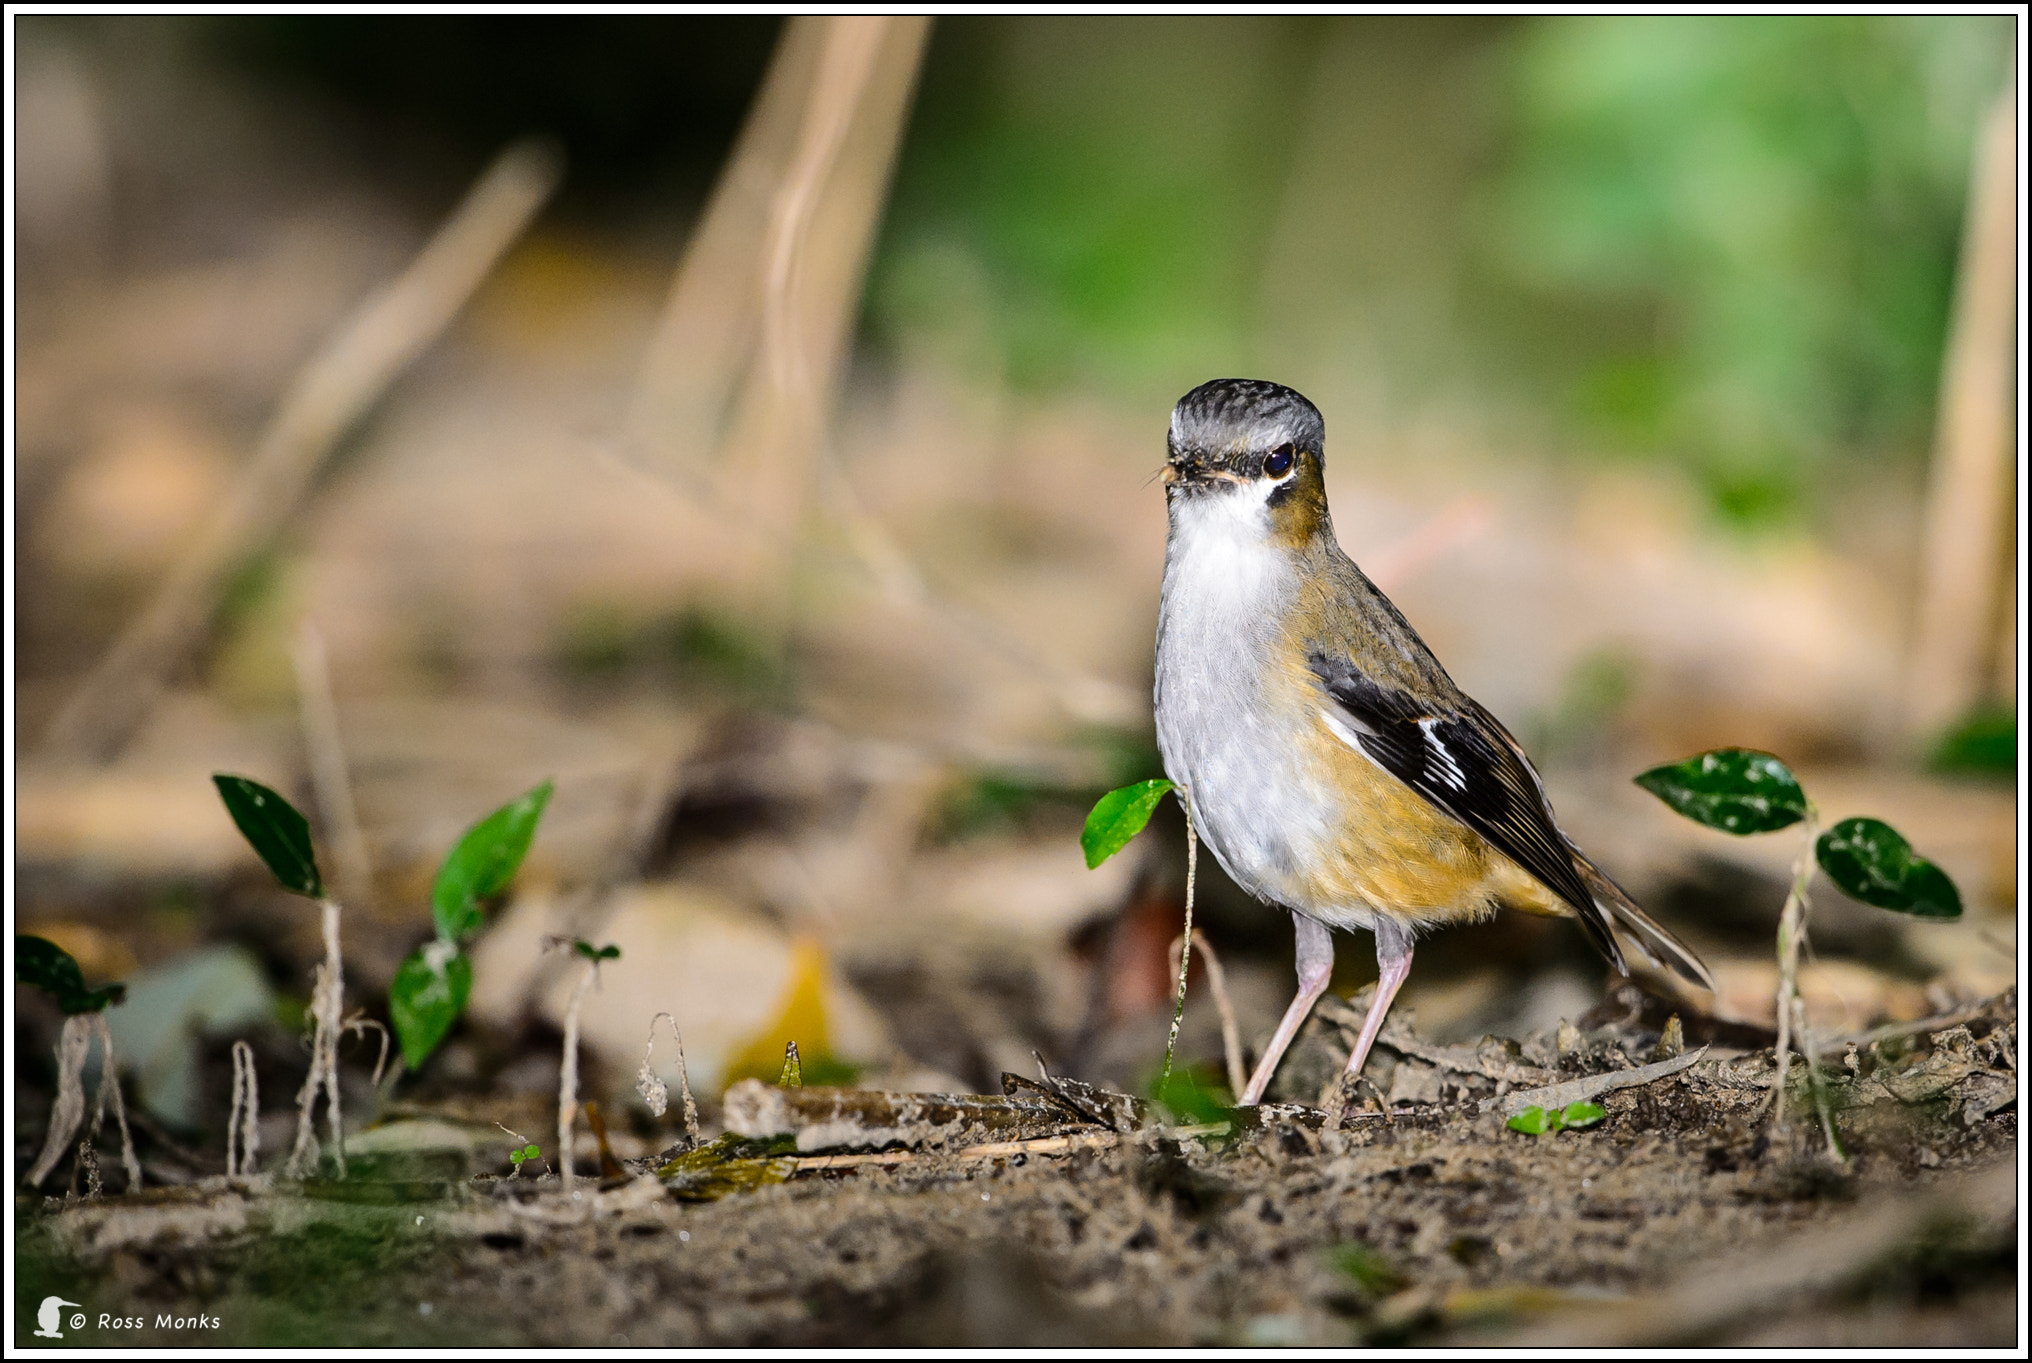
751 424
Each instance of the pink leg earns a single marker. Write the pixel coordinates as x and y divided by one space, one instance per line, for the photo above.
1315 968
1393 957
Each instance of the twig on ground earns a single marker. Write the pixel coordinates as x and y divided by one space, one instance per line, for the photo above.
1791 936
326 399
1580 1090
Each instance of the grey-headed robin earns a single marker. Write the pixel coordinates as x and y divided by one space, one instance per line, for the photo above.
1325 755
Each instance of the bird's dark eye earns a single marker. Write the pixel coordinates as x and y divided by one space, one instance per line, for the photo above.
1279 462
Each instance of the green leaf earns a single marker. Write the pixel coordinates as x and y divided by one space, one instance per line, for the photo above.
586 949
1370 1271
426 997
1193 1097
276 831
1119 816
1582 1114
1870 861
47 966
1738 790
1535 1121
483 863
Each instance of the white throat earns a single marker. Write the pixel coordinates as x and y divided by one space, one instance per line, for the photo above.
1221 558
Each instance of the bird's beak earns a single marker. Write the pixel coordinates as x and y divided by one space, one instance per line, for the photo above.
1194 470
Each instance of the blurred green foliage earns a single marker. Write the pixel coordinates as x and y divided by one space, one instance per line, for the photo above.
1081 202
1724 240
1983 744
1779 198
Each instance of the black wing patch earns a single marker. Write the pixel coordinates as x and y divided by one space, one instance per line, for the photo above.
1467 764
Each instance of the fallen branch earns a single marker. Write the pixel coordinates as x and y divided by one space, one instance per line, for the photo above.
1580 1090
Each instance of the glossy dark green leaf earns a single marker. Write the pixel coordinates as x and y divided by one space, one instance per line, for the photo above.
586 949
1535 1121
426 997
42 963
1119 816
279 835
1738 790
483 863
1576 1116
1870 861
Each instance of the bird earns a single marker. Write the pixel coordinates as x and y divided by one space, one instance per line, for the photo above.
1324 755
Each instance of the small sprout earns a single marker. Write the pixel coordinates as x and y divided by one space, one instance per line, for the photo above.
483 862
1871 862
53 970
610 952
1119 816
1577 1116
793 1072
1738 790
1538 1121
527 1152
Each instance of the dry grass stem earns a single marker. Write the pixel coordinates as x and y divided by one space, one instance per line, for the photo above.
73 1043
568 1076
243 1128
1964 571
1217 983
1185 941
325 400
330 778
1791 936
328 990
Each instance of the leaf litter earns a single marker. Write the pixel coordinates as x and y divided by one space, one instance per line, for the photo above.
1061 1212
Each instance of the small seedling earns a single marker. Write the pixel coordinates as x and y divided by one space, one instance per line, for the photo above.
280 836
1119 816
433 982
1743 791
527 1152
1539 1121
48 967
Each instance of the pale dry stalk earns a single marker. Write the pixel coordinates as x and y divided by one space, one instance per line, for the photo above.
327 998
243 1127
1964 567
330 778
652 1089
1217 984
1185 940
325 400
73 1043
568 1077
1791 936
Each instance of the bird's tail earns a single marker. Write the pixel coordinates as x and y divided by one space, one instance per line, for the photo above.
1653 942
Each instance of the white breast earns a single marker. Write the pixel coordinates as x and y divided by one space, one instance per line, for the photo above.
1228 733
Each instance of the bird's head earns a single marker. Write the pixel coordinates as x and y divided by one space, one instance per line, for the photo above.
1247 448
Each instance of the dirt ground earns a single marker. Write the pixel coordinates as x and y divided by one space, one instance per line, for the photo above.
1682 1218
